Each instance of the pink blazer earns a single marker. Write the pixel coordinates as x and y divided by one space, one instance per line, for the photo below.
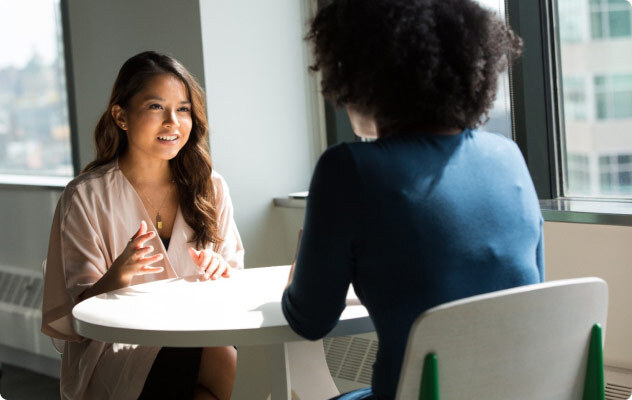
96 216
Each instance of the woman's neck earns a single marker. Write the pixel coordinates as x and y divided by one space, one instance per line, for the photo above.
141 171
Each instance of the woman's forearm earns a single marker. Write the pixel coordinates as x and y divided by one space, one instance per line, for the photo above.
107 283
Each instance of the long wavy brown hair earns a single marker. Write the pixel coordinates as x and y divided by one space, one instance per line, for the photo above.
192 167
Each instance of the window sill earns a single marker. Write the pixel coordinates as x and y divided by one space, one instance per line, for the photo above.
293 200
37 182
588 211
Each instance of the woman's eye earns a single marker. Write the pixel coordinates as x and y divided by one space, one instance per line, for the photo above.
155 106
184 109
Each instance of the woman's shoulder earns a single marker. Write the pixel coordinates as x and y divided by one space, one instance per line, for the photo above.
90 182
495 139
95 177
219 186
339 154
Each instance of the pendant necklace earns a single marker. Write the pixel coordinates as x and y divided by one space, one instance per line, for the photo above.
158 217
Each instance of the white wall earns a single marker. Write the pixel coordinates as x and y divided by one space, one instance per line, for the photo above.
576 250
25 217
262 114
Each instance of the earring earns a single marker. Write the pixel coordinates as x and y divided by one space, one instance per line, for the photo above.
123 125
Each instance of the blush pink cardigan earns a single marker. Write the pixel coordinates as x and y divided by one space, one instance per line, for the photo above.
96 216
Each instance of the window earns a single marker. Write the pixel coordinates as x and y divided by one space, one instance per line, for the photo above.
613 96
609 18
597 97
34 121
575 29
579 172
615 174
575 102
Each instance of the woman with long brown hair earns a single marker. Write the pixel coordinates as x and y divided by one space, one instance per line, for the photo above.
150 197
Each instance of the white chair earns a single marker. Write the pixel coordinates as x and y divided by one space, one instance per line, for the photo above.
58 344
530 342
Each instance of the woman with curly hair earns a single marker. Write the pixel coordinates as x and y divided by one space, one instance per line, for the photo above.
150 196
431 211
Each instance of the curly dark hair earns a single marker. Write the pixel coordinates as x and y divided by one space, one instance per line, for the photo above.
412 63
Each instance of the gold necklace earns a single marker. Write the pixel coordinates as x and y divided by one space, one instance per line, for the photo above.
158 217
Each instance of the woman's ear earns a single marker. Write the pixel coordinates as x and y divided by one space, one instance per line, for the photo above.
120 117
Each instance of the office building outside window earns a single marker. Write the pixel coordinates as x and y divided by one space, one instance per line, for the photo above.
613 96
609 19
34 122
596 74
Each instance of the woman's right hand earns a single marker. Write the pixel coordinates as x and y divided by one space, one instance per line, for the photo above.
132 260
130 263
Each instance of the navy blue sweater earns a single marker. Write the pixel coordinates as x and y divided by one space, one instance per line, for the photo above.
412 222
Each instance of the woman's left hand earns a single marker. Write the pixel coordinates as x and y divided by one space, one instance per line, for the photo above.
211 264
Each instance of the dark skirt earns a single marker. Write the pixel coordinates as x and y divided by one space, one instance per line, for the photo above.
174 374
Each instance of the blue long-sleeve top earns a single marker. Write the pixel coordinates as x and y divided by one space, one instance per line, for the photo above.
412 222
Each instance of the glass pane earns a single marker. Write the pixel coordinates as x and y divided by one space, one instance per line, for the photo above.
626 159
500 114
601 102
575 98
621 82
596 28
622 102
34 128
625 179
604 135
619 22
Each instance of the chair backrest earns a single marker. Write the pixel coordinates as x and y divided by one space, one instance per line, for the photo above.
529 342
58 344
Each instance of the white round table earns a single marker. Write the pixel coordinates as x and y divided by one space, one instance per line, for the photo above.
244 310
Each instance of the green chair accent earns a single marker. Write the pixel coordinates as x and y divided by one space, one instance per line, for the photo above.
430 379
594 385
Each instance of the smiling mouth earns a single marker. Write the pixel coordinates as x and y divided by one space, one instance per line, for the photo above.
168 138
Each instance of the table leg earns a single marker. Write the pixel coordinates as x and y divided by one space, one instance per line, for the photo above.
278 371
310 375
296 371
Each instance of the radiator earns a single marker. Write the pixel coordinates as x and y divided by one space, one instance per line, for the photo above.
350 360
21 341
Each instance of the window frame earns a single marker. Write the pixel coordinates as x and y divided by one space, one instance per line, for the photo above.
537 66
47 181
544 148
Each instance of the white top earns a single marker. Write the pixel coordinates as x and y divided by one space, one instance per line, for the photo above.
244 309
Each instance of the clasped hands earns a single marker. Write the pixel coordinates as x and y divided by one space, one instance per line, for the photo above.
132 260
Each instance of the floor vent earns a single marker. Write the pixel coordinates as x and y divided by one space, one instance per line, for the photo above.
618 392
618 383
350 358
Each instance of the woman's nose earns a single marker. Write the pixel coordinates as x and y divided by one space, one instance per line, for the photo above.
171 119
